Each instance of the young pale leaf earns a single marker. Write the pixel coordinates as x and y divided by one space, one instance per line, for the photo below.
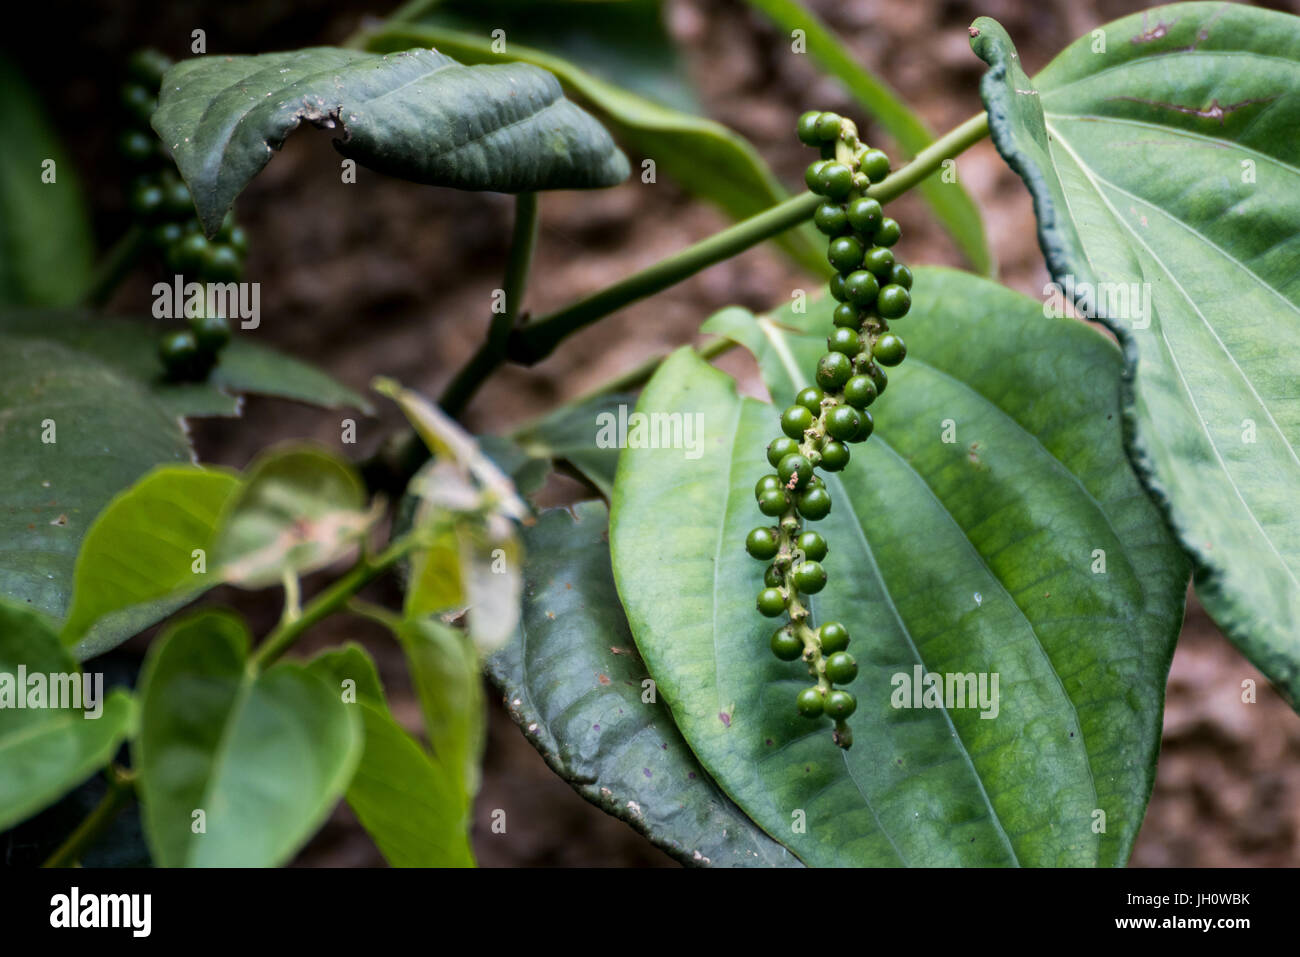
704 157
444 668
298 509
1163 158
148 553
949 200
75 434
411 807
236 768
45 234
130 349
45 750
573 682
416 114
990 528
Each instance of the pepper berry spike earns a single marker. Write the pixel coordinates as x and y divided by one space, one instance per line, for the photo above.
872 289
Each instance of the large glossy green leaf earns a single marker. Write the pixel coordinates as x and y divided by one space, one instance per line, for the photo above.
46 751
407 803
416 114
1164 162
975 556
704 157
106 432
130 349
950 201
46 245
148 553
573 682
263 755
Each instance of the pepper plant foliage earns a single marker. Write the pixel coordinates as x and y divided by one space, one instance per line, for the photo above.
975 518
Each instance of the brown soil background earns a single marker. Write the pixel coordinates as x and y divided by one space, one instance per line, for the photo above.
388 277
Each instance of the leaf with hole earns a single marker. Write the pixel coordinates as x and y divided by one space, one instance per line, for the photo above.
416 114
1165 171
1022 554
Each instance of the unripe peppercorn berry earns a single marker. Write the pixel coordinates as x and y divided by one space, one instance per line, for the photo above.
763 544
877 260
786 646
811 399
843 422
875 164
795 420
834 181
814 504
846 315
809 577
771 602
834 637
812 545
812 175
889 349
809 703
779 448
828 127
841 668
835 456
833 370
806 128
795 471
893 302
878 377
862 287
888 233
766 484
900 275
865 215
860 391
865 428
840 704
844 340
772 577
836 286
830 219
773 502
845 254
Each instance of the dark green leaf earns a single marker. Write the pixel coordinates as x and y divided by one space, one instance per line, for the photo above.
46 750
1163 158
416 114
46 247
585 434
976 556
574 684
107 431
264 756
410 806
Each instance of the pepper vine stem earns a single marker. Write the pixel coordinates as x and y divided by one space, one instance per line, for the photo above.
533 342
494 350
332 599
121 787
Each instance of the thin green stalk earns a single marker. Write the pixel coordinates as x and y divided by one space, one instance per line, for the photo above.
493 352
121 787
115 265
329 601
535 341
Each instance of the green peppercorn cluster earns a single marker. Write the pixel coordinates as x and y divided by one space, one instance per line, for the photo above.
161 201
871 289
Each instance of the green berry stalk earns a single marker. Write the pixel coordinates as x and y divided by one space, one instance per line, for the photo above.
872 288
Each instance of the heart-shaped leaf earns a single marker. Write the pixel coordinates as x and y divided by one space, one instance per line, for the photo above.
146 555
1162 155
75 432
417 114
574 683
991 533
236 767
408 803
51 744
